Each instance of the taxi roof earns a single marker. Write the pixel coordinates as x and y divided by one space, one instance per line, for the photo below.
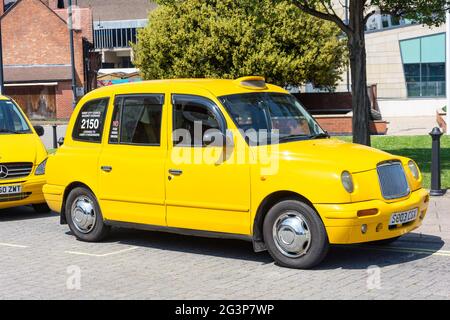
217 87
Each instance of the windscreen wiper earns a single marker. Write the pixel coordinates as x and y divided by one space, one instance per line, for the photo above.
8 131
14 131
293 137
319 135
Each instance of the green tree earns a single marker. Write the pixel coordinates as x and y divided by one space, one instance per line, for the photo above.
230 39
430 12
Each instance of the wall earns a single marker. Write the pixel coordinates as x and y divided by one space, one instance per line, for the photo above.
384 62
342 125
34 35
64 100
110 10
410 107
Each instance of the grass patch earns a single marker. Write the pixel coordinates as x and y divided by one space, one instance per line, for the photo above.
419 149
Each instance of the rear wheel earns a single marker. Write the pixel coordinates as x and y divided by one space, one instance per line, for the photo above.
84 216
41 208
295 235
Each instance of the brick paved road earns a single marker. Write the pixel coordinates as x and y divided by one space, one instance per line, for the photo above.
39 259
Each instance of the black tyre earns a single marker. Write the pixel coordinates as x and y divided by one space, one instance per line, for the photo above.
384 242
295 235
84 216
41 208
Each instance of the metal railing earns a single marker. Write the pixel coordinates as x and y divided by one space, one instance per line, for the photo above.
426 89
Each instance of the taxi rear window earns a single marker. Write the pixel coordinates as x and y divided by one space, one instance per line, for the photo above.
90 121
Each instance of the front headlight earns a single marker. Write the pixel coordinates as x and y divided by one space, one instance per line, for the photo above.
40 170
347 181
414 169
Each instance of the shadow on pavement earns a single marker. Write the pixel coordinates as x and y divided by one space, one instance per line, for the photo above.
409 248
224 248
22 213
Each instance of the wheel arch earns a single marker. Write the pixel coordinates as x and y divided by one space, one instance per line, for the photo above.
69 188
268 202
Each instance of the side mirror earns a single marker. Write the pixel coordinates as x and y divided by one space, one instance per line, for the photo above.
39 130
60 141
216 138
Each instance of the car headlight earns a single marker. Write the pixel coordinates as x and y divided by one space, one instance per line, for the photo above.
347 181
40 170
414 169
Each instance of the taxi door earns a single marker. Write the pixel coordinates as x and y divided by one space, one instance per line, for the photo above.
205 189
131 166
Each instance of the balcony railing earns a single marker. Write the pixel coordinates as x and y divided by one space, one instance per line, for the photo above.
426 89
116 34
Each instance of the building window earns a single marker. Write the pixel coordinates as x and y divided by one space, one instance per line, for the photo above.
114 38
424 65
60 4
385 21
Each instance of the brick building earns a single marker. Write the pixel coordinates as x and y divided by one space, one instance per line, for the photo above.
36 55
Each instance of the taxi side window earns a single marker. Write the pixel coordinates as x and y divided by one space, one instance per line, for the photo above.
137 120
90 121
192 117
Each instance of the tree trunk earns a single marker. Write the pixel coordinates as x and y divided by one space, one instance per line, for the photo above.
360 97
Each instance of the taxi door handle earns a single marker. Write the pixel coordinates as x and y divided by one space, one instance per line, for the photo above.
106 168
176 172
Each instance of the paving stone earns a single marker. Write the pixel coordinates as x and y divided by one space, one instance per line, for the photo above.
167 266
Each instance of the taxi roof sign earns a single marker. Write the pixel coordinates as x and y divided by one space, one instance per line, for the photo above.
252 82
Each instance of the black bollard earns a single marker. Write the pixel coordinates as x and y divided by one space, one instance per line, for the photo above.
55 137
436 163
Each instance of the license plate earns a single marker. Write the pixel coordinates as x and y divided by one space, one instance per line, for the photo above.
10 189
403 217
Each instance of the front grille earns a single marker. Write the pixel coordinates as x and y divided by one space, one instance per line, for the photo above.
15 170
14 197
393 181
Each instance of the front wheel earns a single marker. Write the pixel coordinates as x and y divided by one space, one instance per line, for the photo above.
84 217
295 235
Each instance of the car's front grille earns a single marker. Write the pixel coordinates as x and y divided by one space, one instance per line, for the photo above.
15 170
393 181
14 197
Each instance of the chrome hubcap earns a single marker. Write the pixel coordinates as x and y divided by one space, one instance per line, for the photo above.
83 214
291 234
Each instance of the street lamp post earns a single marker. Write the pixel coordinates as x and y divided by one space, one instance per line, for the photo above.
72 55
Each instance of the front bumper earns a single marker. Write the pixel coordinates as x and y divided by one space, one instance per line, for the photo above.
54 196
31 193
344 226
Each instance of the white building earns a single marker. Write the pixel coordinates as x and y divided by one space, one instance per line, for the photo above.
407 63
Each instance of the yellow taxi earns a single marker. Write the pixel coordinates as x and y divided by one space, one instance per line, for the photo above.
22 159
226 158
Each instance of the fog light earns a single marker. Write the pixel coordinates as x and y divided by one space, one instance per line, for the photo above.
379 227
364 228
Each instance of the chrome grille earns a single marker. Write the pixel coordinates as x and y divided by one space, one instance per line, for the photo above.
393 181
15 170
14 197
